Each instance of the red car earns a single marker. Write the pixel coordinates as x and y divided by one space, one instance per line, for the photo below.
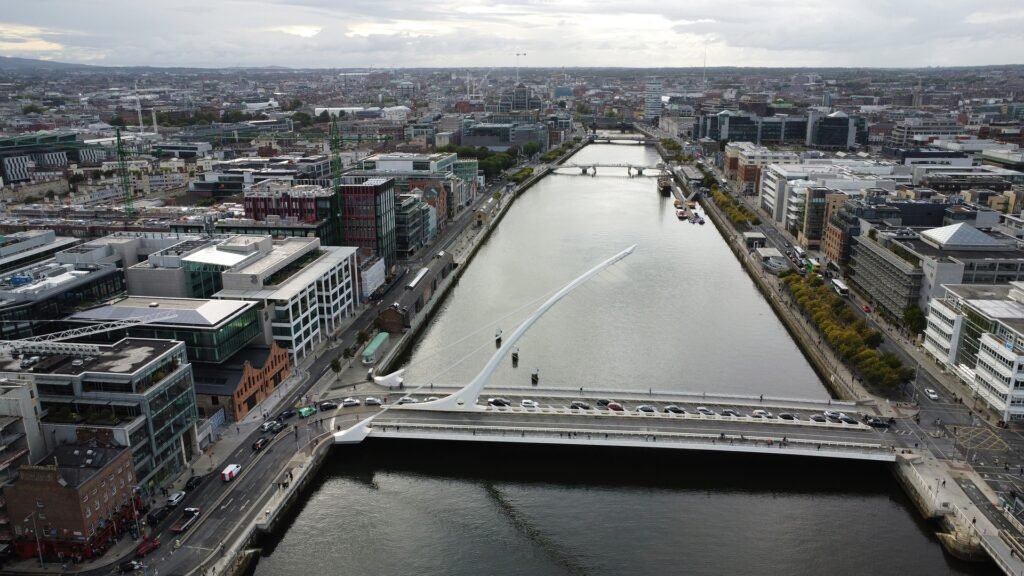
148 545
615 407
867 308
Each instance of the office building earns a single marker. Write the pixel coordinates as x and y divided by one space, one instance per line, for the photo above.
135 392
977 332
652 99
24 248
368 216
306 204
304 289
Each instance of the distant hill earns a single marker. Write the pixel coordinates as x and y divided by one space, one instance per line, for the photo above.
13 64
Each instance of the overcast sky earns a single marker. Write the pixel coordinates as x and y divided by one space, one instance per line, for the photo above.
445 33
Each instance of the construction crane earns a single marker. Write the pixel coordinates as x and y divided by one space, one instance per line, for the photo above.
122 174
335 142
51 343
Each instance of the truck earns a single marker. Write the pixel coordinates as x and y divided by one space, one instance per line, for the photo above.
229 472
188 518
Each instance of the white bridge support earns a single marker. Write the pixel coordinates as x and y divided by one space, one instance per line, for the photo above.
466 397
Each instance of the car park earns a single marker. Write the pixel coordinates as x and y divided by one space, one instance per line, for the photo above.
371 401
350 402
327 405
527 403
817 418
175 499
193 482
616 407
646 408
728 412
704 411
260 443
579 405
673 409
500 402
931 394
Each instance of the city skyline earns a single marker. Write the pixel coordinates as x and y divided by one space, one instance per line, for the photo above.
579 33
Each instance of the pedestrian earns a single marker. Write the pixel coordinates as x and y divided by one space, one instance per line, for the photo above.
762 397
943 483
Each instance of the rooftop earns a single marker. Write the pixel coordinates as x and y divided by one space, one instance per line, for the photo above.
190 312
282 252
77 463
124 357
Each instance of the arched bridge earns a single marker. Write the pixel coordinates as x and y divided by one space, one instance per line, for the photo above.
612 138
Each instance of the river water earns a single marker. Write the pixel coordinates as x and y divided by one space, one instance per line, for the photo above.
678 314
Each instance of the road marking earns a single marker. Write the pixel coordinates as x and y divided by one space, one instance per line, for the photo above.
228 503
244 504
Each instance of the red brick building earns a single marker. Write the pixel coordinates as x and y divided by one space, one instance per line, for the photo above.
242 382
76 505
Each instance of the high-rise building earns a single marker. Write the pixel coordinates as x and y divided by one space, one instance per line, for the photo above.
368 216
652 99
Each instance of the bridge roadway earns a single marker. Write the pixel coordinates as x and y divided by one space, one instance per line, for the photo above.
553 422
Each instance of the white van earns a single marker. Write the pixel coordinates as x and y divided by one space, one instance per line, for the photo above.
229 473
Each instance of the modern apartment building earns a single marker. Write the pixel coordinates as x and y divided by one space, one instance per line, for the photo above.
914 131
308 204
652 99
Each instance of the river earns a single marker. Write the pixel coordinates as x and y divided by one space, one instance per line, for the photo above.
678 314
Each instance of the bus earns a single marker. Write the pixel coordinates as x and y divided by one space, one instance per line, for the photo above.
840 287
800 253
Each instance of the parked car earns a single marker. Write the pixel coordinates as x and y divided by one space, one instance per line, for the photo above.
129 566
931 394
876 422
728 412
277 427
704 411
328 405
175 499
867 308
266 425
830 414
646 408
526 403
787 416
146 546
501 402
761 414
406 400
286 414
579 405
371 401
350 402
260 443
193 482
604 402
673 409
156 515
616 407
817 418
847 420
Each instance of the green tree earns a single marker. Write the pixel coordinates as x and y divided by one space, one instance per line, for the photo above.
32 109
116 121
336 366
914 319
295 104
531 148
562 104
323 118
302 119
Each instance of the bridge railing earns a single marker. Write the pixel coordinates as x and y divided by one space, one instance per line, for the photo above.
720 439
746 419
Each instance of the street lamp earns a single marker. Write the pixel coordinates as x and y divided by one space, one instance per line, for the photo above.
39 547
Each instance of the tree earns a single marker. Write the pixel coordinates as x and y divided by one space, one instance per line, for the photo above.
336 366
295 104
302 119
914 319
32 109
116 121
324 117
531 148
562 104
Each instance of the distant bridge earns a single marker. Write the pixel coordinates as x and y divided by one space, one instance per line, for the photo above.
611 138
591 167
